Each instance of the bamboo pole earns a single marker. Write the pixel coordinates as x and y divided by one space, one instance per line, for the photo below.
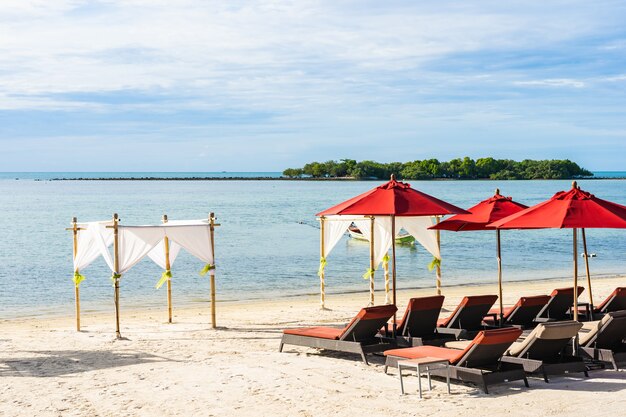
499 256
116 266
76 287
438 269
166 244
386 273
575 247
586 255
393 266
372 260
212 272
322 284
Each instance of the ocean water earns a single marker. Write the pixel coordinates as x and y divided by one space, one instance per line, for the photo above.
268 243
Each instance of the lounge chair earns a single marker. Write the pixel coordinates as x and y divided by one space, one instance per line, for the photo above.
468 316
605 340
557 309
419 322
614 302
545 350
479 362
359 336
521 314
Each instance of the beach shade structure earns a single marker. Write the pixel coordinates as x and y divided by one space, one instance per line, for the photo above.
89 241
574 209
480 216
380 214
161 243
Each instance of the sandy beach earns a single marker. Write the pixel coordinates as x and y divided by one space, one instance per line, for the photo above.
188 369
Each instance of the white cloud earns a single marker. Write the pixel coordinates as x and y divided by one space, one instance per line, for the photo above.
555 82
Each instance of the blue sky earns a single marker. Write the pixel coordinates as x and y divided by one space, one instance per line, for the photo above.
190 85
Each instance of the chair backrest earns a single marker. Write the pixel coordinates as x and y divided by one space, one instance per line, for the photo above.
469 313
420 316
560 302
487 348
609 333
365 325
526 309
547 340
614 302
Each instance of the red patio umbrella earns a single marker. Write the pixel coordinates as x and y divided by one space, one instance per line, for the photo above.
481 215
574 209
392 199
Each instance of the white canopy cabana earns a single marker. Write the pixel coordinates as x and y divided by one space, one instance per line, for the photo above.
162 243
378 230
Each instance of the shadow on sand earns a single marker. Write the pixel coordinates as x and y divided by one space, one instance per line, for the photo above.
52 363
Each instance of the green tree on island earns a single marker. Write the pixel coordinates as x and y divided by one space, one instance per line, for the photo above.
465 168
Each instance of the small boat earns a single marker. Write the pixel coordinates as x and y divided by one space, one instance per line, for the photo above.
402 238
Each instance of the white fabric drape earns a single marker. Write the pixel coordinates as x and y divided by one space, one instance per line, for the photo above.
157 254
418 228
135 243
93 240
382 235
334 229
195 239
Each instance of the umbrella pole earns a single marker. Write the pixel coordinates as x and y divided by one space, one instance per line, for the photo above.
166 243
76 288
322 284
587 269
438 270
575 247
393 267
116 266
372 260
499 255
212 272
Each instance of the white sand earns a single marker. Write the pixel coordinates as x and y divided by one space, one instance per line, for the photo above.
188 369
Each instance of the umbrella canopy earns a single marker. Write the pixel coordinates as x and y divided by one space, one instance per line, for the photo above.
573 209
393 198
482 214
390 200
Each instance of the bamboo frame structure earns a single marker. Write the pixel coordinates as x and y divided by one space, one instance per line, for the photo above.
116 277
438 267
166 244
212 225
393 267
372 261
76 287
499 257
575 247
322 273
586 256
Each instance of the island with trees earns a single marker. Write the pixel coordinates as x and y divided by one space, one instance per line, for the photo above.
459 168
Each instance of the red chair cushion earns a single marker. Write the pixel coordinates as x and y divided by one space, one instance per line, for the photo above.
451 355
320 332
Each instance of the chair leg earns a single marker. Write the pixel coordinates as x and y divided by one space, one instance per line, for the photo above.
526 382
385 369
364 358
545 375
280 348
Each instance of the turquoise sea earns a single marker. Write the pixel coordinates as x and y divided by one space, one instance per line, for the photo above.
268 243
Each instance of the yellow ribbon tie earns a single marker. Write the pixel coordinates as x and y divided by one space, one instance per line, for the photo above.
435 262
77 278
165 276
323 263
114 277
386 260
368 274
206 269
